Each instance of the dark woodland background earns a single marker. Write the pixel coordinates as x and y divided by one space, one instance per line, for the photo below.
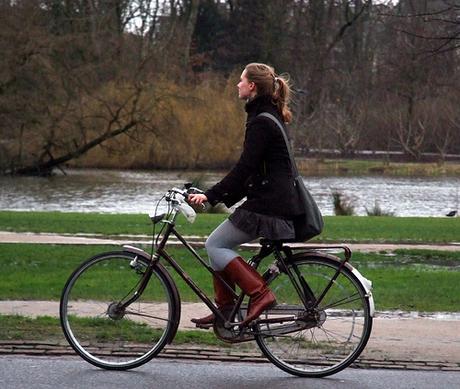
152 84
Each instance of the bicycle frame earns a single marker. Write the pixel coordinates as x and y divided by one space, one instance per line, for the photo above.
161 252
268 247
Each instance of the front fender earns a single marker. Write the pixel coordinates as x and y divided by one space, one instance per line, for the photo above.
176 304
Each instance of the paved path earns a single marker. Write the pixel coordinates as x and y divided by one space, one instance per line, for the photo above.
47 238
19 372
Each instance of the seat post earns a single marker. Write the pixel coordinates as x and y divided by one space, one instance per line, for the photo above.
265 250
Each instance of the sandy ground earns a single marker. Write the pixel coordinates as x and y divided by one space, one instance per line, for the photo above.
393 336
45 238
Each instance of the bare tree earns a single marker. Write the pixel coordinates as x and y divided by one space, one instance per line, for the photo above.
331 41
346 126
410 80
445 119
84 126
441 20
76 75
61 97
411 136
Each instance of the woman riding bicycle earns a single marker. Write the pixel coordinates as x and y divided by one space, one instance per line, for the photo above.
264 175
119 309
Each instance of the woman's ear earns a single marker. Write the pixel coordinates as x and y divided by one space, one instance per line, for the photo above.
253 89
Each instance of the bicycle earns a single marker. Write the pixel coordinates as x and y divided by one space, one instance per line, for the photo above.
119 309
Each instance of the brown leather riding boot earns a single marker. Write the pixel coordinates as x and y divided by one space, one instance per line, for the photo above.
224 299
252 284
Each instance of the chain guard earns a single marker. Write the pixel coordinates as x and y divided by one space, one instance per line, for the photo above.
234 334
305 320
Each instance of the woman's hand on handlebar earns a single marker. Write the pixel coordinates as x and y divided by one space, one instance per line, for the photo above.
197 198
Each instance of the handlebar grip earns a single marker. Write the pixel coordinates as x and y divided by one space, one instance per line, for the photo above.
193 190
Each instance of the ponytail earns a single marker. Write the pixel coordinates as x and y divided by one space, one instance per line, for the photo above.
268 83
282 97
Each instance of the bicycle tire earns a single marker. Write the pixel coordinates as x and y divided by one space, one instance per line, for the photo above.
110 338
326 340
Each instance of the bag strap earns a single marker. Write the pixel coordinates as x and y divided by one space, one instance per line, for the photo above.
286 140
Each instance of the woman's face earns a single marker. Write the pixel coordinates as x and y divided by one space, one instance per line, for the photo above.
246 88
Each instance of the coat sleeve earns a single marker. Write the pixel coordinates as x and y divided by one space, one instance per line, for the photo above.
232 188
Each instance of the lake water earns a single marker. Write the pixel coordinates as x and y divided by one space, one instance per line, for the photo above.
138 191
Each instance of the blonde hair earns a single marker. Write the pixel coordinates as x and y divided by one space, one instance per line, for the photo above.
268 83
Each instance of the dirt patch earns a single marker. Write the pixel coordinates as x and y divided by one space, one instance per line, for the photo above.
392 338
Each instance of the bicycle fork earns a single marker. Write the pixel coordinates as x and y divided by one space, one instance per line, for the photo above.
116 309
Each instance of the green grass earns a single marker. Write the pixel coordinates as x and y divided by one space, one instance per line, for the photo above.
391 229
36 272
98 223
410 280
418 280
15 327
337 228
328 167
46 328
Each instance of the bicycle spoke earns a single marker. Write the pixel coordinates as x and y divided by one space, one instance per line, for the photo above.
343 301
332 334
340 324
146 315
95 322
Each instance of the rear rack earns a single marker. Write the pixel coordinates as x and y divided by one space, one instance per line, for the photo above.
289 247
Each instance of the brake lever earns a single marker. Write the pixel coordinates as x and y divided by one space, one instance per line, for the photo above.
198 191
194 190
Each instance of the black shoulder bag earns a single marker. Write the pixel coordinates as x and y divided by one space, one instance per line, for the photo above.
310 223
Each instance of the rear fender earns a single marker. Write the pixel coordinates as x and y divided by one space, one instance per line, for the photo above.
366 284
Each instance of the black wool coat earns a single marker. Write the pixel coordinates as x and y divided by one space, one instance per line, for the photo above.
263 172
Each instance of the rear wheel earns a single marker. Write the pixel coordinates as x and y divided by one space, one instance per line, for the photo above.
106 334
320 341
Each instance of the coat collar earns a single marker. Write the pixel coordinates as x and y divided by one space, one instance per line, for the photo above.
259 104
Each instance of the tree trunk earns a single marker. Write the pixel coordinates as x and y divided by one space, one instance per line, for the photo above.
46 168
189 29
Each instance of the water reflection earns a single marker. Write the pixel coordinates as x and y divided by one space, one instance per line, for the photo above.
137 192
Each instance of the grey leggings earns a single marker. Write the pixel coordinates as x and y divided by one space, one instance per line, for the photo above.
222 241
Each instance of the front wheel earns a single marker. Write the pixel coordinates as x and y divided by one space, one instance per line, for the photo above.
319 341
99 330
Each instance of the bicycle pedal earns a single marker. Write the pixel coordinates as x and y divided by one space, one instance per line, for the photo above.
204 326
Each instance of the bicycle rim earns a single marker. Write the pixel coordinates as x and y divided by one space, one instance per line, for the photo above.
101 333
319 342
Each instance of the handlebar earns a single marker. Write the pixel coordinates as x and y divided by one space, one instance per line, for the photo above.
179 204
186 192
